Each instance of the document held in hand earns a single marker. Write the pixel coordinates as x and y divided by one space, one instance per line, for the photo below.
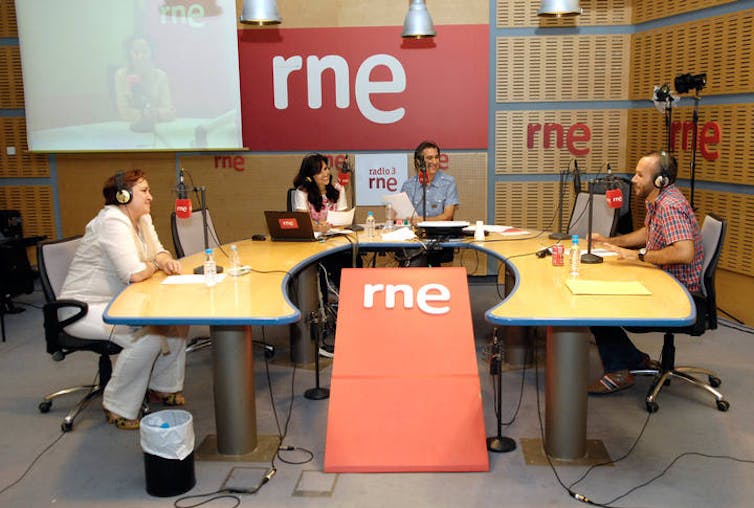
401 205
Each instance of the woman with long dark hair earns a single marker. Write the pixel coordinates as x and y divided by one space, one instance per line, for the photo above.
315 191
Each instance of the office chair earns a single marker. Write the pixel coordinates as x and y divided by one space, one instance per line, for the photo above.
54 259
290 199
713 235
188 239
16 274
188 234
604 218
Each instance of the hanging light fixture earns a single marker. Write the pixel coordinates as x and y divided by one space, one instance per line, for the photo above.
418 23
260 12
558 8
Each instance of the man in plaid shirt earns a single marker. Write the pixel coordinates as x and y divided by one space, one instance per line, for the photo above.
670 239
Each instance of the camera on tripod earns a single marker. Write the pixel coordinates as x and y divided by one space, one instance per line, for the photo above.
686 82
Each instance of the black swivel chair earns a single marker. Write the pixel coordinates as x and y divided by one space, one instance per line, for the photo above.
713 235
54 260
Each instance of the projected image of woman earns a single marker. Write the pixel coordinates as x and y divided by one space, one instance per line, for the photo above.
142 92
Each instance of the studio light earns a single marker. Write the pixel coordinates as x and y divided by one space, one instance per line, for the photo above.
260 12
558 8
418 23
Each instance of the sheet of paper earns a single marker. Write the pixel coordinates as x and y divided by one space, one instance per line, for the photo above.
190 279
606 287
343 218
402 206
399 234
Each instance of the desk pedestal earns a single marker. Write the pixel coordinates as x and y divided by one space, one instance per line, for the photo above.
565 392
235 408
306 298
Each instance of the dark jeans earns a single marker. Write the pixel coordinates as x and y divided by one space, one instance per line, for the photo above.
616 349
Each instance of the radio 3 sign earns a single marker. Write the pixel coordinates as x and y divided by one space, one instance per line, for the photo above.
363 88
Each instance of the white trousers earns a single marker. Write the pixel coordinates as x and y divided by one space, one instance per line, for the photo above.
142 364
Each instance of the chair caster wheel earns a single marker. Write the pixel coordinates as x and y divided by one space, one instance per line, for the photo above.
723 405
66 426
45 406
652 407
714 382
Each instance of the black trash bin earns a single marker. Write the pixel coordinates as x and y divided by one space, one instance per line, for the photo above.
167 439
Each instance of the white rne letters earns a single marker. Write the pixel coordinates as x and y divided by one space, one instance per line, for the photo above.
424 296
364 87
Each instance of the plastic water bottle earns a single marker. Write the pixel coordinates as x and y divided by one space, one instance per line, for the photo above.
388 217
210 269
575 253
235 261
371 233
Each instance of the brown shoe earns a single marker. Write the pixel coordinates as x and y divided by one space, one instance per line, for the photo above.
121 422
167 399
611 382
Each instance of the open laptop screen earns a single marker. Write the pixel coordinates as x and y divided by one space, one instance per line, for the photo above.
290 226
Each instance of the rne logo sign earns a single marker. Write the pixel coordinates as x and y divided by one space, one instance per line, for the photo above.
363 88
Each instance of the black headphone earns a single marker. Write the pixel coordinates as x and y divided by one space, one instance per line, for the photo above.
122 193
664 178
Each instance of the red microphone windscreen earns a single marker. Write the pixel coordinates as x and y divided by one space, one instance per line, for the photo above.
423 177
183 208
614 198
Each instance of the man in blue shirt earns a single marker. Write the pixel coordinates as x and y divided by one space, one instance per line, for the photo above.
442 194
441 202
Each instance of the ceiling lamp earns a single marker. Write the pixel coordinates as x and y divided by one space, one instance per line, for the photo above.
418 22
260 12
558 8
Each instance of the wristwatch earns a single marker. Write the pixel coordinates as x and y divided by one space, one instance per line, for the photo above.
642 253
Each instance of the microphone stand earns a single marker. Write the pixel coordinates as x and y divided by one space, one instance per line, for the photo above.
316 393
203 198
695 121
498 443
588 257
560 235
423 179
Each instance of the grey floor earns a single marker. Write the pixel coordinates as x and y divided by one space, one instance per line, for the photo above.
97 465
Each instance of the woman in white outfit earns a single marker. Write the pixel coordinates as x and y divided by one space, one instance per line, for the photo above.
120 247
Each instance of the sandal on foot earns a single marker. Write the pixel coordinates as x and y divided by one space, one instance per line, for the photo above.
612 382
121 422
167 399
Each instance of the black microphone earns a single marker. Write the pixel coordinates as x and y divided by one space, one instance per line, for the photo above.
182 201
576 177
613 192
495 359
344 167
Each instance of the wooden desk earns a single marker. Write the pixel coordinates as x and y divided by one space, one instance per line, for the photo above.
539 297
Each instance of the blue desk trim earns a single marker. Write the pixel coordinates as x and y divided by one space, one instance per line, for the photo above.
467 244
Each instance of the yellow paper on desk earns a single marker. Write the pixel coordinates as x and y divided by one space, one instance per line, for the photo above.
606 287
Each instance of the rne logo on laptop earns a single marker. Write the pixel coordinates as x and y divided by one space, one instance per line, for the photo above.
288 223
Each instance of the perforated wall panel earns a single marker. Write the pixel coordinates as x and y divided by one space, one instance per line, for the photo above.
23 164
646 10
522 13
35 205
721 47
565 68
515 131
8 19
11 83
735 152
530 205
